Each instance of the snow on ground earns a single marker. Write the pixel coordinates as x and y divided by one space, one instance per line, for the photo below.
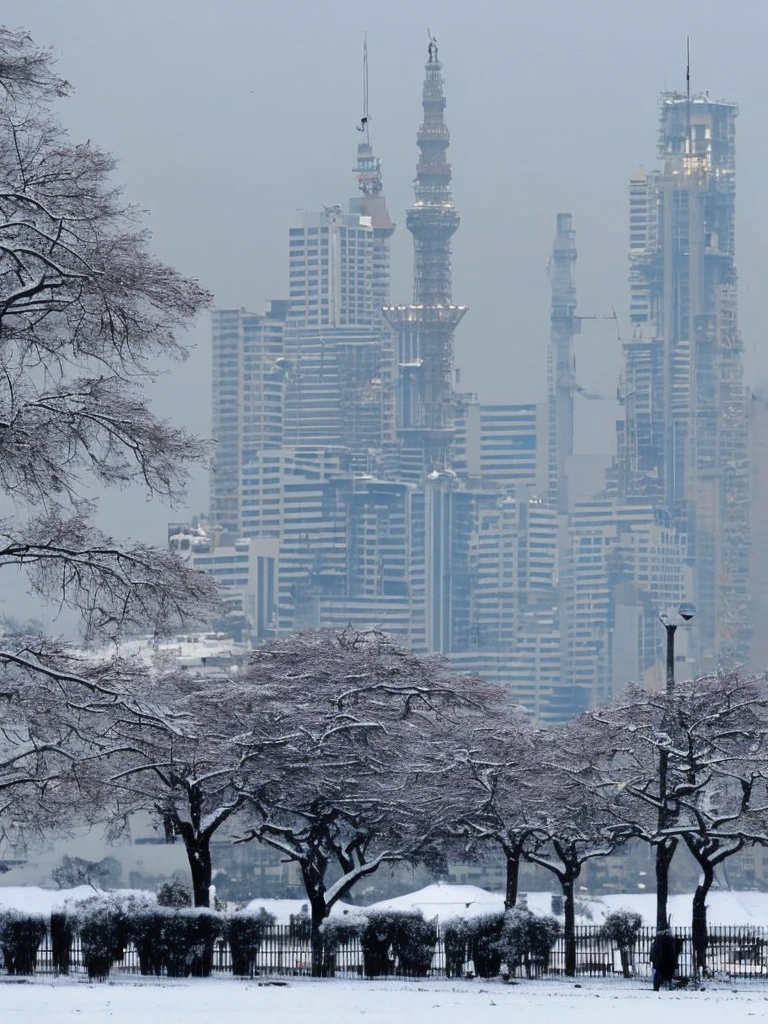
35 900
342 1002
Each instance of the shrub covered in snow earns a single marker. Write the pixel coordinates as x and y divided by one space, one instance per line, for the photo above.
145 927
181 942
62 933
389 937
20 938
526 940
456 932
474 939
245 933
300 925
622 927
484 935
103 923
415 941
188 938
102 933
175 893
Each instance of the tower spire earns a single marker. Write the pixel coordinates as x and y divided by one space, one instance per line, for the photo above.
433 219
425 329
370 201
368 167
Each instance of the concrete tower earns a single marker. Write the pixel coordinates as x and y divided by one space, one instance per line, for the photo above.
425 328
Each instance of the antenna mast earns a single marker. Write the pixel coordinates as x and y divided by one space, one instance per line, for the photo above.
688 140
364 118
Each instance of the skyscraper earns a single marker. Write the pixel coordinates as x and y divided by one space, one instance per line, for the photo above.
562 361
247 390
684 439
337 348
364 489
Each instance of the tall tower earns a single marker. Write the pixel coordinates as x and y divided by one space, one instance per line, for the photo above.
371 202
684 440
562 361
432 220
425 328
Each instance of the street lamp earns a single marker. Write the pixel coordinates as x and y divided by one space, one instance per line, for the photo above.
666 844
670 621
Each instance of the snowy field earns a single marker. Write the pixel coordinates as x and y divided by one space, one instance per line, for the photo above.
338 1002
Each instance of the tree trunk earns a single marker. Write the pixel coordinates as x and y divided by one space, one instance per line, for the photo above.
569 929
199 856
624 955
319 912
513 875
699 919
664 852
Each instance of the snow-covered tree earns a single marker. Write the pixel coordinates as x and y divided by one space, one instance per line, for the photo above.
36 753
708 789
86 312
357 787
183 762
490 792
571 824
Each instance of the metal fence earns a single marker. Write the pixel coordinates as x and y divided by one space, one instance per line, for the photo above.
732 952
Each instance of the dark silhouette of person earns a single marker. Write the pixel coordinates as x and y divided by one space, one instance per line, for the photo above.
664 954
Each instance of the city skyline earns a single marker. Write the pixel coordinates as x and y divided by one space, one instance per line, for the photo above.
543 126
479 345
393 497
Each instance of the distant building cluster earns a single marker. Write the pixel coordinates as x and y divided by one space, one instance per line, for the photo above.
354 482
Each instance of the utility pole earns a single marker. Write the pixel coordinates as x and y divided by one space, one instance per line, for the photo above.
666 845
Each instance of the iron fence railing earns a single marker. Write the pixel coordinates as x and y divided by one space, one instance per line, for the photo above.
733 952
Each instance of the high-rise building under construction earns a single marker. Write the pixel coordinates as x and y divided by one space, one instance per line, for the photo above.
683 440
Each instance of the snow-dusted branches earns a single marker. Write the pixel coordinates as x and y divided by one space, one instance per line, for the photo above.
84 309
688 765
114 588
490 798
360 781
27 70
85 313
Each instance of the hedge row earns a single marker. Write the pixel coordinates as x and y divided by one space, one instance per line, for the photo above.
177 942
496 943
180 941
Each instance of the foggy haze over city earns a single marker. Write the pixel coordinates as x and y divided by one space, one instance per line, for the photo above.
443 557
228 120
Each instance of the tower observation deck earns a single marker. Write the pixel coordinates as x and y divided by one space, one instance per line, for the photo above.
425 327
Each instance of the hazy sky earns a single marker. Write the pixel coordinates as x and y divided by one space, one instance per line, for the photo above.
228 117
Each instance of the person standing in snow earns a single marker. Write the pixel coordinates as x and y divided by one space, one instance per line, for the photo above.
663 958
